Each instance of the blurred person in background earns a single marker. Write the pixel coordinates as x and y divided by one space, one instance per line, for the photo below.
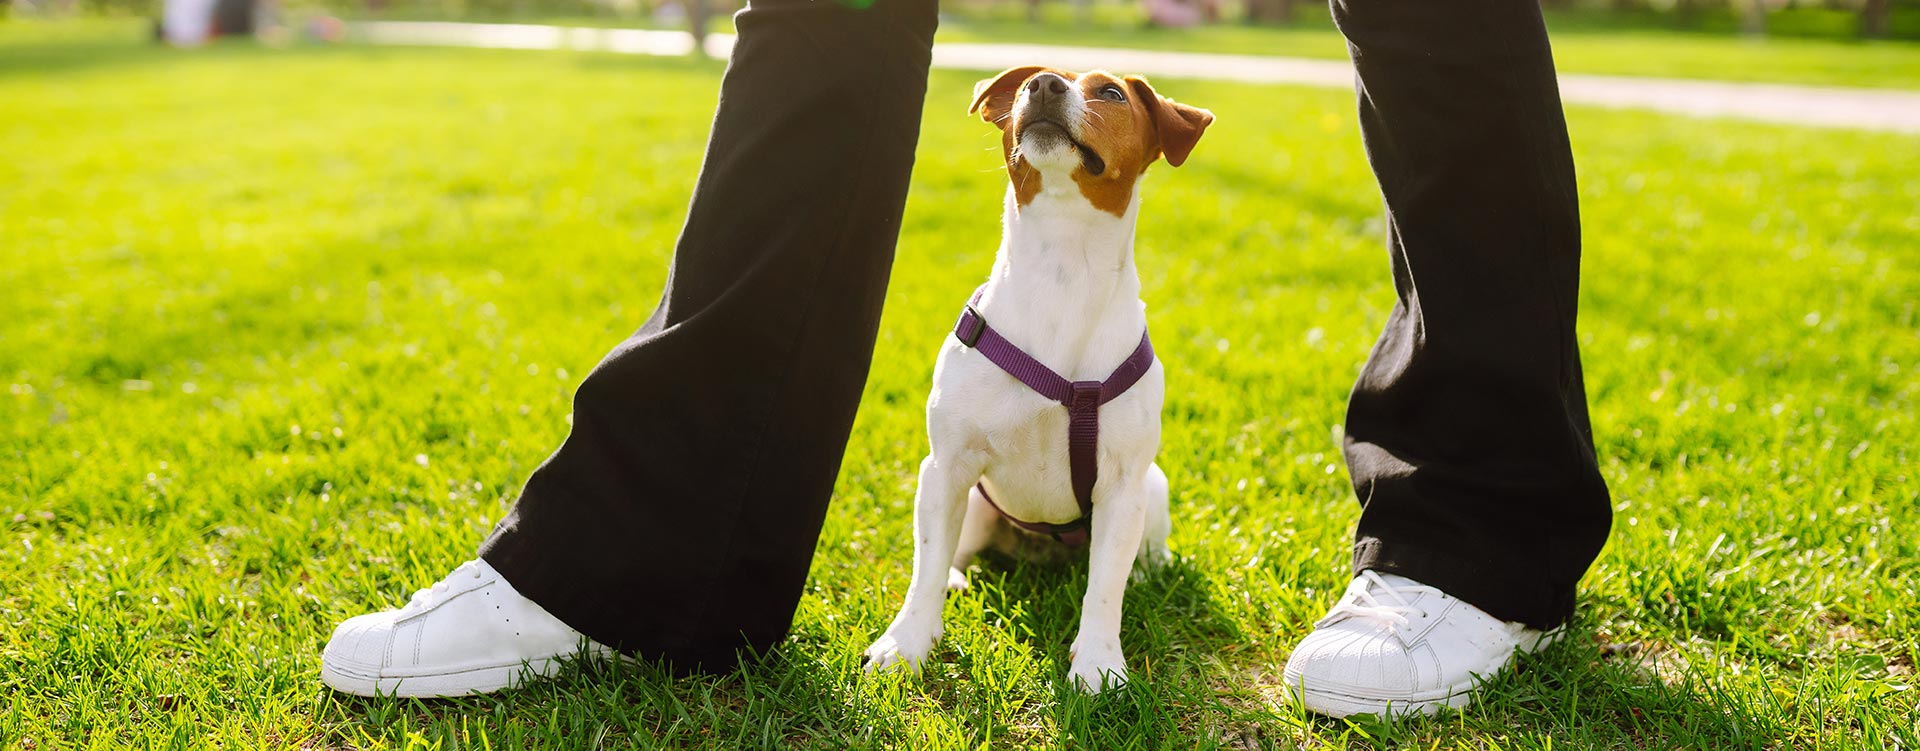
187 23
191 23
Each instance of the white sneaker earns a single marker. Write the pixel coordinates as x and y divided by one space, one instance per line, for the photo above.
1393 646
471 633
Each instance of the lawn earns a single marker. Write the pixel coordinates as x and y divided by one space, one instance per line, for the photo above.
1581 44
1812 46
1809 46
281 332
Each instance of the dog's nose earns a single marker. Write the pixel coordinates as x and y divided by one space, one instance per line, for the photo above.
1046 84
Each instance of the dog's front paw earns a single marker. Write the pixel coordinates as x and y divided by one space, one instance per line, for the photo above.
956 580
898 648
1097 667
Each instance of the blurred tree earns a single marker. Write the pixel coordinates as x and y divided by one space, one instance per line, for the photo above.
1269 11
233 17
697 12
1686 12
1753 16
1876 18
1082 11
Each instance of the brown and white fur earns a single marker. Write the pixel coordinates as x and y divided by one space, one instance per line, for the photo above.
1063 289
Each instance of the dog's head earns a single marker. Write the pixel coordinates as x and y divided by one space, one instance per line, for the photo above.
1096 129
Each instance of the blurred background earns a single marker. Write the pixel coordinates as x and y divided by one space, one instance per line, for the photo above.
1815 19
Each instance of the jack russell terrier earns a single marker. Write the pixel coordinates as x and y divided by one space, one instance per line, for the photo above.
1045 412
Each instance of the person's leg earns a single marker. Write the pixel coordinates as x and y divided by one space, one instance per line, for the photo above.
1467 433
678 520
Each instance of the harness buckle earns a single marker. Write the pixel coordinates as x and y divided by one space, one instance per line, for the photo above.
970 326
1086 396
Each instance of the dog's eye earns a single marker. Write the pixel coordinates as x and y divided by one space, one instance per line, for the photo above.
1112 93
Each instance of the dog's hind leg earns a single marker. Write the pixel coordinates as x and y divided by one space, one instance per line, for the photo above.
982 525
1153 542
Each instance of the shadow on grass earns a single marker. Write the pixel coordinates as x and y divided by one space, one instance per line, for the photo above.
1169 628
777 701
116 47
805 695
610 61
1184 692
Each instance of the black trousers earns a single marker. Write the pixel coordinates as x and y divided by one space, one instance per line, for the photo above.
678 520
1467 434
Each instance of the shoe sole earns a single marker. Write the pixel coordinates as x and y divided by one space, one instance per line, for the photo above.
1337 705
439 685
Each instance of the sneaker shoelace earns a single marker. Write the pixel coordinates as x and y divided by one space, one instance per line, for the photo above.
1374 598
426 597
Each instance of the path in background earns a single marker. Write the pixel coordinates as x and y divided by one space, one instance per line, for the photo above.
1823 106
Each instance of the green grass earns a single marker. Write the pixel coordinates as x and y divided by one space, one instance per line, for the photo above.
281 332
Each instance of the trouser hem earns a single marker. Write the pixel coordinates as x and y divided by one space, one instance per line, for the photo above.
1498 590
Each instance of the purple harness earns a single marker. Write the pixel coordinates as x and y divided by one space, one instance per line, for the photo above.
1081 398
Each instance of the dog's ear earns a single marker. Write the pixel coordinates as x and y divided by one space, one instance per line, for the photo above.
993 97
1178 126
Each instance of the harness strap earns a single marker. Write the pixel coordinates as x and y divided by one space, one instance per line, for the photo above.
1081 398
1071 533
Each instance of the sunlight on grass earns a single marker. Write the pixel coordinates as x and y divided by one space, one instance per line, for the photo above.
1581 44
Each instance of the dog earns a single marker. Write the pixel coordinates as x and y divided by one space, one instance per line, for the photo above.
1044 417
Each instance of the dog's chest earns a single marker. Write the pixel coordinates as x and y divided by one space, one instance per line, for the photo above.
1020 438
